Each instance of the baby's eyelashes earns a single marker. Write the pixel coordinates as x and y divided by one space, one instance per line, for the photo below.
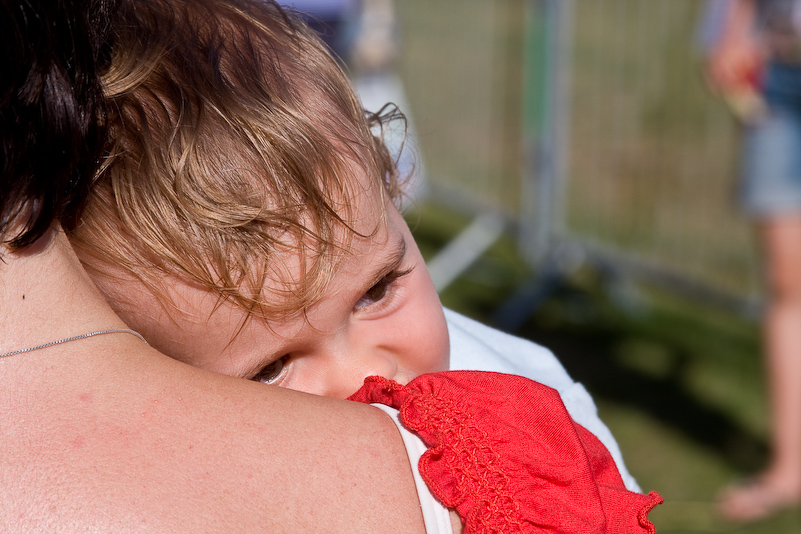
381 289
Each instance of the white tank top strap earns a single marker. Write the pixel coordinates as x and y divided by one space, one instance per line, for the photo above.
435 516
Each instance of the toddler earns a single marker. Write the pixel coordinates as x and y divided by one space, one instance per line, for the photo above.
244 218
243 221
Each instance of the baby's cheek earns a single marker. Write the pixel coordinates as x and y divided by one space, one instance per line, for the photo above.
442 350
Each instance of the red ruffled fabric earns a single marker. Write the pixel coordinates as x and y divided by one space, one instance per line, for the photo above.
504 452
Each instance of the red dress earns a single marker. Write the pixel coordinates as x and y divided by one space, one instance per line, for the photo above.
505 454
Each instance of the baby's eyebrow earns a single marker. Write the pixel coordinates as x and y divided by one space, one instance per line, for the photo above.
391 262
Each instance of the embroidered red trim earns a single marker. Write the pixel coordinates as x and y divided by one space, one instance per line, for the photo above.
506 455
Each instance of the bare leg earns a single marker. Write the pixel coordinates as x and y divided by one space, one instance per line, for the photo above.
782 238
779 485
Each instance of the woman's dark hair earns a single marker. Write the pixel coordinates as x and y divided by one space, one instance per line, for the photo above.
50 112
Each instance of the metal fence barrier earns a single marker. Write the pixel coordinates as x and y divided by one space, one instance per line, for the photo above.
584 127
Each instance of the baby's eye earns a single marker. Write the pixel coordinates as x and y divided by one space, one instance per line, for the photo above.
271 372
374 294
380 290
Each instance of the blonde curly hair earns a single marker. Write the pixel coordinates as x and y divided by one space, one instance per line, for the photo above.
233 139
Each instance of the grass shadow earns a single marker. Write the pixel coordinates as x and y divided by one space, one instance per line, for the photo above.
590 354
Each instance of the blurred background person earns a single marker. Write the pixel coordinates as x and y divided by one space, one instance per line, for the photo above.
329 18
754 62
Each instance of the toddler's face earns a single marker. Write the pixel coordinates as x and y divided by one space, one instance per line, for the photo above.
380 316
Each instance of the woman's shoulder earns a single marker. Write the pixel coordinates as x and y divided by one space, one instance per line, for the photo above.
131 440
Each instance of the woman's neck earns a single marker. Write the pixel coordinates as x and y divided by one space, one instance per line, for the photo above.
45 295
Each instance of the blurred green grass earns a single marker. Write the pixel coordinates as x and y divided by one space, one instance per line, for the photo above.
650 154
680 385
651 168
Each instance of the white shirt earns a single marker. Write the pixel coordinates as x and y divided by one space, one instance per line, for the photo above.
478 347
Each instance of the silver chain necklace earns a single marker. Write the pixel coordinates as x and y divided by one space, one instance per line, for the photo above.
76 338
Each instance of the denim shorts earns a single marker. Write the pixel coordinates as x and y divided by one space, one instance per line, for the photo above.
771 166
